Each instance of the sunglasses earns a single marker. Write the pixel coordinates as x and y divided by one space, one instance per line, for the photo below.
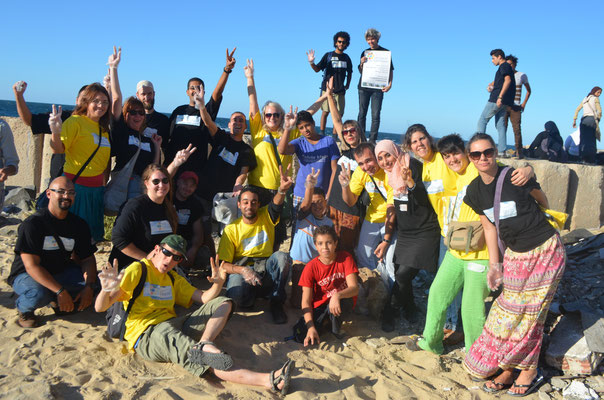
156 181
62 192
347 131
137 112
342 41
476 155
272 115
168 253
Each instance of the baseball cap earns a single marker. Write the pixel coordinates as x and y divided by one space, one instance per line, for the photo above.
144 84
189 175
177 242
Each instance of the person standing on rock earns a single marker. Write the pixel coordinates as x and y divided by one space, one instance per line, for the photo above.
515 111
589 129
9 159
54 258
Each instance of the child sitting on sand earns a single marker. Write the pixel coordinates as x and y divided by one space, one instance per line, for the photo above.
329 287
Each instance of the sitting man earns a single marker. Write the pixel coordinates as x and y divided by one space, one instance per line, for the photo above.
54 258
246 247
155 332
329 286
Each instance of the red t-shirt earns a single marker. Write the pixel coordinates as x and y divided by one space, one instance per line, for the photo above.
327 279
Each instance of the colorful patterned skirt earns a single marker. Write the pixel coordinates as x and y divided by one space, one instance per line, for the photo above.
513 331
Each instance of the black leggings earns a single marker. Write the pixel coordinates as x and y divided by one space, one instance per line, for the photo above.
402 290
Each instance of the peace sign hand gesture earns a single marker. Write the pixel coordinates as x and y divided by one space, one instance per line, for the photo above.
230 60
54 120
115 58
198 97
249 68
183 155
286 180
311 179
290 118
109 276
219 274
344 176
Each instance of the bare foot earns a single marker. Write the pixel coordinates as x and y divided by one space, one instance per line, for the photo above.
505 378
209 348
524 378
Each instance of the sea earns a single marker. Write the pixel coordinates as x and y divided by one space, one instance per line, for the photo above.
8 108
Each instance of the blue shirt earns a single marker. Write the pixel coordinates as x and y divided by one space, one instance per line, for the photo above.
303 247
317 156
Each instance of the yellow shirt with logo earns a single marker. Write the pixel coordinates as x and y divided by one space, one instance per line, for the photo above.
80 136
156 302
376 212
266 174
244 240
439 182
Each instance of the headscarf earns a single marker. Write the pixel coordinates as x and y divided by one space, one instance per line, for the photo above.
594 90
395 179
552 129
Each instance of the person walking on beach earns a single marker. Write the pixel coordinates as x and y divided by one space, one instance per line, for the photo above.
338 65
375 96
589 130
515 111
503 90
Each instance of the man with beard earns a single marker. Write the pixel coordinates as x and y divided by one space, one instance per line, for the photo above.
54 258
153 119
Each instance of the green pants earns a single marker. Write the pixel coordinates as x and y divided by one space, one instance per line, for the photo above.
453 275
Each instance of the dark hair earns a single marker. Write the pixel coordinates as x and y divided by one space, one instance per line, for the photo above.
319 191
131 104
238 112
250 189
304 116
343 35
477 137
595 89
195 79
417 128
86 98
498 53
168 205
325 230
449 144
362 147
512 58
82 89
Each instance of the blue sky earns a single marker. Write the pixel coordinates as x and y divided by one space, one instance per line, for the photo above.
440 51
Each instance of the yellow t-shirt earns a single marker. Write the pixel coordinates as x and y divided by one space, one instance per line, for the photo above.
439 182
243 240
156 302
457 210
376 212
266 174
80 136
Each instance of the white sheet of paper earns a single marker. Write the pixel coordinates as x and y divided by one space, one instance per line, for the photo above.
376 70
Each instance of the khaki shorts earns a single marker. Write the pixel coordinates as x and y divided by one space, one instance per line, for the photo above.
170 341
340 103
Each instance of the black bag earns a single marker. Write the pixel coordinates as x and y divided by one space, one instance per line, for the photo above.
116 316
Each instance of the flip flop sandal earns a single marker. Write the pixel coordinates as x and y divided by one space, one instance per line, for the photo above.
220 361
498 386
285 377
537 380
412 343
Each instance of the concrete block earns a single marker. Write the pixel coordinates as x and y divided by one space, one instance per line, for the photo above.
30 150
587 195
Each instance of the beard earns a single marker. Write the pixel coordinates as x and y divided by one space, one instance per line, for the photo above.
148 105
64 204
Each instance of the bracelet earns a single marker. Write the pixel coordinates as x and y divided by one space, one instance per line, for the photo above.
282 193
58 292
227 71
387 241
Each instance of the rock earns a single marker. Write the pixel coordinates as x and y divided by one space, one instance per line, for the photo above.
578 391
17 195
375 342
596 383
543 396
558 383
546 388
372 293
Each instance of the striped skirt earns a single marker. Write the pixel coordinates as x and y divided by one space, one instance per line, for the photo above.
513 331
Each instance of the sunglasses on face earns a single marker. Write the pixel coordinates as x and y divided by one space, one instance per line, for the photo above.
272 115
347 131
100 102
156 181
136 112
168 253
62 192
476 155
341 41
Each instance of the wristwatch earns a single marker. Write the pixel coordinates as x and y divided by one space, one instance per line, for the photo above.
387 241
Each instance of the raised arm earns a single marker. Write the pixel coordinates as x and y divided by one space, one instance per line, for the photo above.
309 185
224 77
116 93
314 107
333 110
205 115
217 280
111 292
22 109
251 88
55 123
310 54
284 146
344 178
180 158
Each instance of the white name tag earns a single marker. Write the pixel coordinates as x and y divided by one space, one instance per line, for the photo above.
183 216
370 187
133 141
435 186
402 207
352 164
193 120
157 292
51 244
338 64
507 210
229 157
160 227
257 240
149 132
104 140
475 267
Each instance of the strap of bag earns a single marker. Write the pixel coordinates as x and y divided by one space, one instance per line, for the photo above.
272 139
377 188
75 178
137 291
497 206
54 234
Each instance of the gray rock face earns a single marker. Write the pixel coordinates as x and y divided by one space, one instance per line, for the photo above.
16 196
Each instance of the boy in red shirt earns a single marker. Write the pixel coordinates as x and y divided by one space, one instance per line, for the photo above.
329 286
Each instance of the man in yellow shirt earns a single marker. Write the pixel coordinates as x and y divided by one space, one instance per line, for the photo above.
246 247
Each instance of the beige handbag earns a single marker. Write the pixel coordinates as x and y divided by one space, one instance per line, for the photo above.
465 236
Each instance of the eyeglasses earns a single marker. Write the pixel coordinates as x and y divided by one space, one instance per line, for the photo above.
168 253
272 115
136 112
156 181
347 131
100 102
62 192
341 41
476 155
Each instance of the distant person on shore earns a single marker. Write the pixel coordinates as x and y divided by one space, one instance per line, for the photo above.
338 65
54 258
515 111
375 96
329 288
548 144
571 146
503 91
153 119
39 123
9 159
589 127
153 329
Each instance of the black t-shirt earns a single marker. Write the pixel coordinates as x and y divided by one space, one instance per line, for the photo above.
188 212
414 213
124 143
161 124
140 222
36 236
226 159
335 197
336 65
187 127
363 55
39 125
522 224
504 70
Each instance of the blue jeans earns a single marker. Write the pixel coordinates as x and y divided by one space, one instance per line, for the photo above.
376 97
32 295
500 114
273 282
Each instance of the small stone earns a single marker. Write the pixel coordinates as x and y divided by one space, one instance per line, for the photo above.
546 388
375 342
558 383
543 396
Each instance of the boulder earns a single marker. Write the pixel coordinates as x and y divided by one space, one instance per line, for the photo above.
372 293
17 196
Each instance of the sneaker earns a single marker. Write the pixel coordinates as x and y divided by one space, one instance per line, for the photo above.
27 320
279 316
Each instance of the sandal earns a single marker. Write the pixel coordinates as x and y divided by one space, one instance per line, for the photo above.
412 343
498 386
531 387
220 361
285 377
